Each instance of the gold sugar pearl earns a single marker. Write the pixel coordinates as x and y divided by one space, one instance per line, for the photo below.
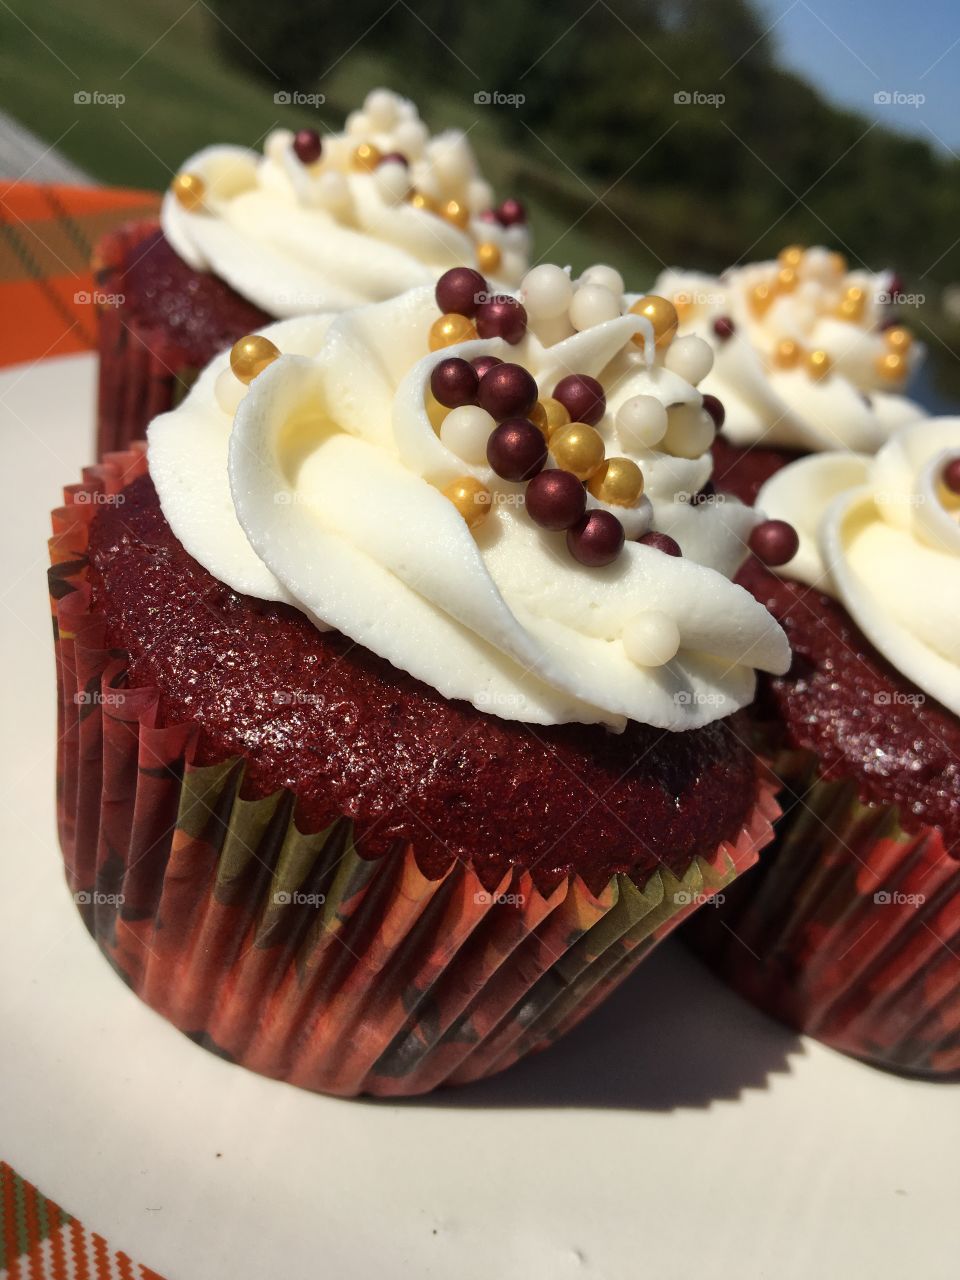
420 200
619 482
786 354
662 314
852 304
787 279
451 329
899 338
471 499
761 296
838 263
578 448
549 415
456 213
251 355
488 256
791 256
892 366
189 189
818 365
366 157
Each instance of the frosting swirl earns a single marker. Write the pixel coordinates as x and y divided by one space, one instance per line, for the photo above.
294 238
781 313
320 486
882 535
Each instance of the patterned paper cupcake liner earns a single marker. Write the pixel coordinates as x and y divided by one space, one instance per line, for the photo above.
141 372
849 930
287 952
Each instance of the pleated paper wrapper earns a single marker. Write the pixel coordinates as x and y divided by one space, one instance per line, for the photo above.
287 952
849 930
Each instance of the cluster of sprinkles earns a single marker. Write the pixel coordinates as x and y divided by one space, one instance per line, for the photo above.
391 172
490 411
831 292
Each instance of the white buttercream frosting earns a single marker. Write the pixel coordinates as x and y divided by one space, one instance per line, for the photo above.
323 490
852 408
295 238
882 535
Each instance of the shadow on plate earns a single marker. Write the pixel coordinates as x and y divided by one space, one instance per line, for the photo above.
672 1036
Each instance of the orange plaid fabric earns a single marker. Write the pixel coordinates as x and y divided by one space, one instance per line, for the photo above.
47 236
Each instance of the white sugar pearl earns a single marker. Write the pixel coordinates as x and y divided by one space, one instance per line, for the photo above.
479 195
689 358
609 277
547 292
359 124
641 422
690 431
392 180
593 304
410 137
229 391
651 639
451 159
465 432
333 193
381 107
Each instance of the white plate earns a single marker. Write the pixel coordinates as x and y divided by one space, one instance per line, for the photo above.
677 1134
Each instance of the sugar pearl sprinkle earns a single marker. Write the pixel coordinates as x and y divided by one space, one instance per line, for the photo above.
560 442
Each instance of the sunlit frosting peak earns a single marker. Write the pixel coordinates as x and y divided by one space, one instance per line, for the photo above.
329 483
384 208
882 534
807 354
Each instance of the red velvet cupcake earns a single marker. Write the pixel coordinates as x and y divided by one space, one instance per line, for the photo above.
809 357
313 224
394 735
850 929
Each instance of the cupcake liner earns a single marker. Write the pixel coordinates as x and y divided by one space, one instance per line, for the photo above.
286 951
141 371
849 930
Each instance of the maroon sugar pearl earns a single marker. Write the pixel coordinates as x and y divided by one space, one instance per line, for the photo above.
483 364
661 542
307 146
510 213
715 409
596 539
504 318
517 449
582 397
459 290
507 391
555 499
774 542
394 157
454 382
951 475
724 328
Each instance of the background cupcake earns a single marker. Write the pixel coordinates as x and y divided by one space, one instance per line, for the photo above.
418 651
311 224
809 356
849 929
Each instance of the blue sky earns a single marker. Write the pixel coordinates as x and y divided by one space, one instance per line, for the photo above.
853 49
